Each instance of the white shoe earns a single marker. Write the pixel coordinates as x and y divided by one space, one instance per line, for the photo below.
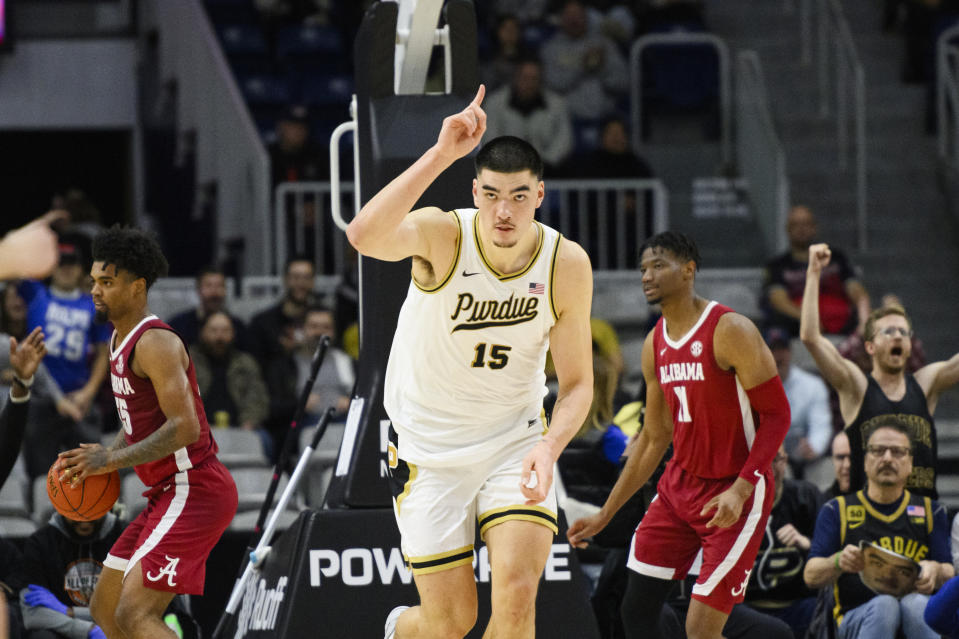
391 619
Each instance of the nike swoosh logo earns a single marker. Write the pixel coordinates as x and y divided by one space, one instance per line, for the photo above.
465 274
662 352
531 423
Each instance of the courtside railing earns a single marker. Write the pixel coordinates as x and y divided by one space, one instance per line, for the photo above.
229 151
842 87
610 218
947 95
759 153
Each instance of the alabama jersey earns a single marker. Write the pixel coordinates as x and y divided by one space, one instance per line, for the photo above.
140 413
713 422
466 370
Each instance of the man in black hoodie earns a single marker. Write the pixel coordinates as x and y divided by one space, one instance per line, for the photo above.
61 564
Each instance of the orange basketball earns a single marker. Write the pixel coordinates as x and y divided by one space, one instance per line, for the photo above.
86 501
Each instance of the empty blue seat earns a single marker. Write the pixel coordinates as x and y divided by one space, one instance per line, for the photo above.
242 39
235 11
326 89
309 41
265 89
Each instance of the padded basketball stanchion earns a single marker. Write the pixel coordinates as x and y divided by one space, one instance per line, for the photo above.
258 554
292 436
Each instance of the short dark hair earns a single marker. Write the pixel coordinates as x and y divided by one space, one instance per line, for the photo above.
294 259
210 269
891 422
509 154
206 319
679 244
133 250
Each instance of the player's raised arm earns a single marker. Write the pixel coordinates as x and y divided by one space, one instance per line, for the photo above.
571 346
842 374
937 377
382 229
648 451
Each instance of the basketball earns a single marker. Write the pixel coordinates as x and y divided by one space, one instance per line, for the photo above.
89 500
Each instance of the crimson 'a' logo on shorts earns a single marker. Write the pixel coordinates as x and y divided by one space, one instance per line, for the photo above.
741 588
169 571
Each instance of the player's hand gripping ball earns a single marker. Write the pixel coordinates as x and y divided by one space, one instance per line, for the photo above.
86 501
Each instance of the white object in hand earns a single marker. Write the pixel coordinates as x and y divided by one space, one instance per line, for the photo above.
533 480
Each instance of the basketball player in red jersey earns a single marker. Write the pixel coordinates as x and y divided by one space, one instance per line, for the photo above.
712 390
164 437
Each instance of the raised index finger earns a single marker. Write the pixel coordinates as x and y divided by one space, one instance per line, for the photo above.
480 94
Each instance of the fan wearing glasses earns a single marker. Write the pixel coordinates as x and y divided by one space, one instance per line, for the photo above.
885 590
864 400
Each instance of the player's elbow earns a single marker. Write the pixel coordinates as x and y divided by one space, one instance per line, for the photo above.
188 432
360 235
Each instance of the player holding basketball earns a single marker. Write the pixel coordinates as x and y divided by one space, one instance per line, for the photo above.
712 389
491 290
164 436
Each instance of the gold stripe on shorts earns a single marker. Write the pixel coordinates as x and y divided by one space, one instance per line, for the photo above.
535 514
414 471
441 561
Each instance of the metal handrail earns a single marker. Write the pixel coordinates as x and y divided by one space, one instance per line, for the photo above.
681 37
755 123
571 204
947 94
834 28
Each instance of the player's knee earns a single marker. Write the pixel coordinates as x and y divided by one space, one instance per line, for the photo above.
101 613
128 618
454 622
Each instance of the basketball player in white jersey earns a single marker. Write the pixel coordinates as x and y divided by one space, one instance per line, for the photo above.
491 291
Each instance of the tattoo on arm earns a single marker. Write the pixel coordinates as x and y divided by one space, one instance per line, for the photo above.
158 444
118 442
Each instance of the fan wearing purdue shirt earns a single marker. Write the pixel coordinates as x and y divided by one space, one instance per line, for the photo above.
164 437
865 401
491 290
712 390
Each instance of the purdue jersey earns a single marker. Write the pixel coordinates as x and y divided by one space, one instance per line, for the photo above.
907 531
466 370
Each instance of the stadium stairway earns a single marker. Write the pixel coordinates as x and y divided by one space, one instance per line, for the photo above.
912 245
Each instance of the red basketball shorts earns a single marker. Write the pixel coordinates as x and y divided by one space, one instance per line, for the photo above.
175 533
672 533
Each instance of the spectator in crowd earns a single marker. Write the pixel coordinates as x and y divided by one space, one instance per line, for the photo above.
211 289
292 157
854 347
25 357
883 548
839 453
509 50
584 66
266 330
888 390
61 564
76 357
942 611
612 158
776 585
844 302
11 623
230 382
13 312
526 110
811 428
334 381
